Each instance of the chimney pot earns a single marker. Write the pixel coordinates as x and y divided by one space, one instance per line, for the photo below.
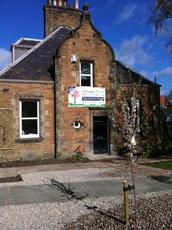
60 3
54 3
48 2
76 4
65 3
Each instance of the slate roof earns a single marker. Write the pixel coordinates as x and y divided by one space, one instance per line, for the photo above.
26 42
37 63
126 75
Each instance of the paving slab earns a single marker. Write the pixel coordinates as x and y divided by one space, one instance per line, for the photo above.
31 194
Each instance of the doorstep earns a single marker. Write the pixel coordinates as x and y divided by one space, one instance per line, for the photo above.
92 156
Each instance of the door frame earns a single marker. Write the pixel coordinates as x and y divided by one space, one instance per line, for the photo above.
100 113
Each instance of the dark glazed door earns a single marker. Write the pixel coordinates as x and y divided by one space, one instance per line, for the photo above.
100 134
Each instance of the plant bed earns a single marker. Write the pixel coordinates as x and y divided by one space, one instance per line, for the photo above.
79 157
17 178
160 164
33 162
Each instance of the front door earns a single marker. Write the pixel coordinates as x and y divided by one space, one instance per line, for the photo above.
100 134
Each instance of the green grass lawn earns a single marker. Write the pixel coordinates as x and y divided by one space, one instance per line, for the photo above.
161 164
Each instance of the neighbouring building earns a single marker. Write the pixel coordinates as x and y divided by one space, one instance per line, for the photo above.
66 92
166 123
164 102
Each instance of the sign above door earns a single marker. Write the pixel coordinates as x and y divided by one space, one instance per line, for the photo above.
86 97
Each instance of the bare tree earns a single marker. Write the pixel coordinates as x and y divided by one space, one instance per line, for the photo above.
129 131
170 96
162 14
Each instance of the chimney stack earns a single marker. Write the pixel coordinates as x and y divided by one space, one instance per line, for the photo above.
59 13
76 4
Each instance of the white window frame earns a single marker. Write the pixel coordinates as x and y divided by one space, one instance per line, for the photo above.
26 136
90 75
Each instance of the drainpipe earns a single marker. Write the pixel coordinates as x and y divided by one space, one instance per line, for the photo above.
55 110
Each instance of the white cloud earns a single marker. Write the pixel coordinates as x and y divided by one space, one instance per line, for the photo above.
127 13
166 72
132 51
164 91
5 57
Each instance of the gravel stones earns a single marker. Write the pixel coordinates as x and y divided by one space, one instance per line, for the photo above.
153 213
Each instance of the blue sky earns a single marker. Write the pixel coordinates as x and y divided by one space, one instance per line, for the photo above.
123 23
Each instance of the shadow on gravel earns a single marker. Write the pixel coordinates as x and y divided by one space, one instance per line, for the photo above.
163 179
67 190
72 195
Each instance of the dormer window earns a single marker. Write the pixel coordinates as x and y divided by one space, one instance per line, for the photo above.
86 73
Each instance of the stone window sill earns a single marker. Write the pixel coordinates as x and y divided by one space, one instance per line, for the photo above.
29 140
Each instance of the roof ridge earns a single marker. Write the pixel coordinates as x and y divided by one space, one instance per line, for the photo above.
27 39
31 50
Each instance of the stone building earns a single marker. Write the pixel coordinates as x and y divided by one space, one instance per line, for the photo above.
64 93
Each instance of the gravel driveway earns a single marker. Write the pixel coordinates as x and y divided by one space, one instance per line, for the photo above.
29 205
